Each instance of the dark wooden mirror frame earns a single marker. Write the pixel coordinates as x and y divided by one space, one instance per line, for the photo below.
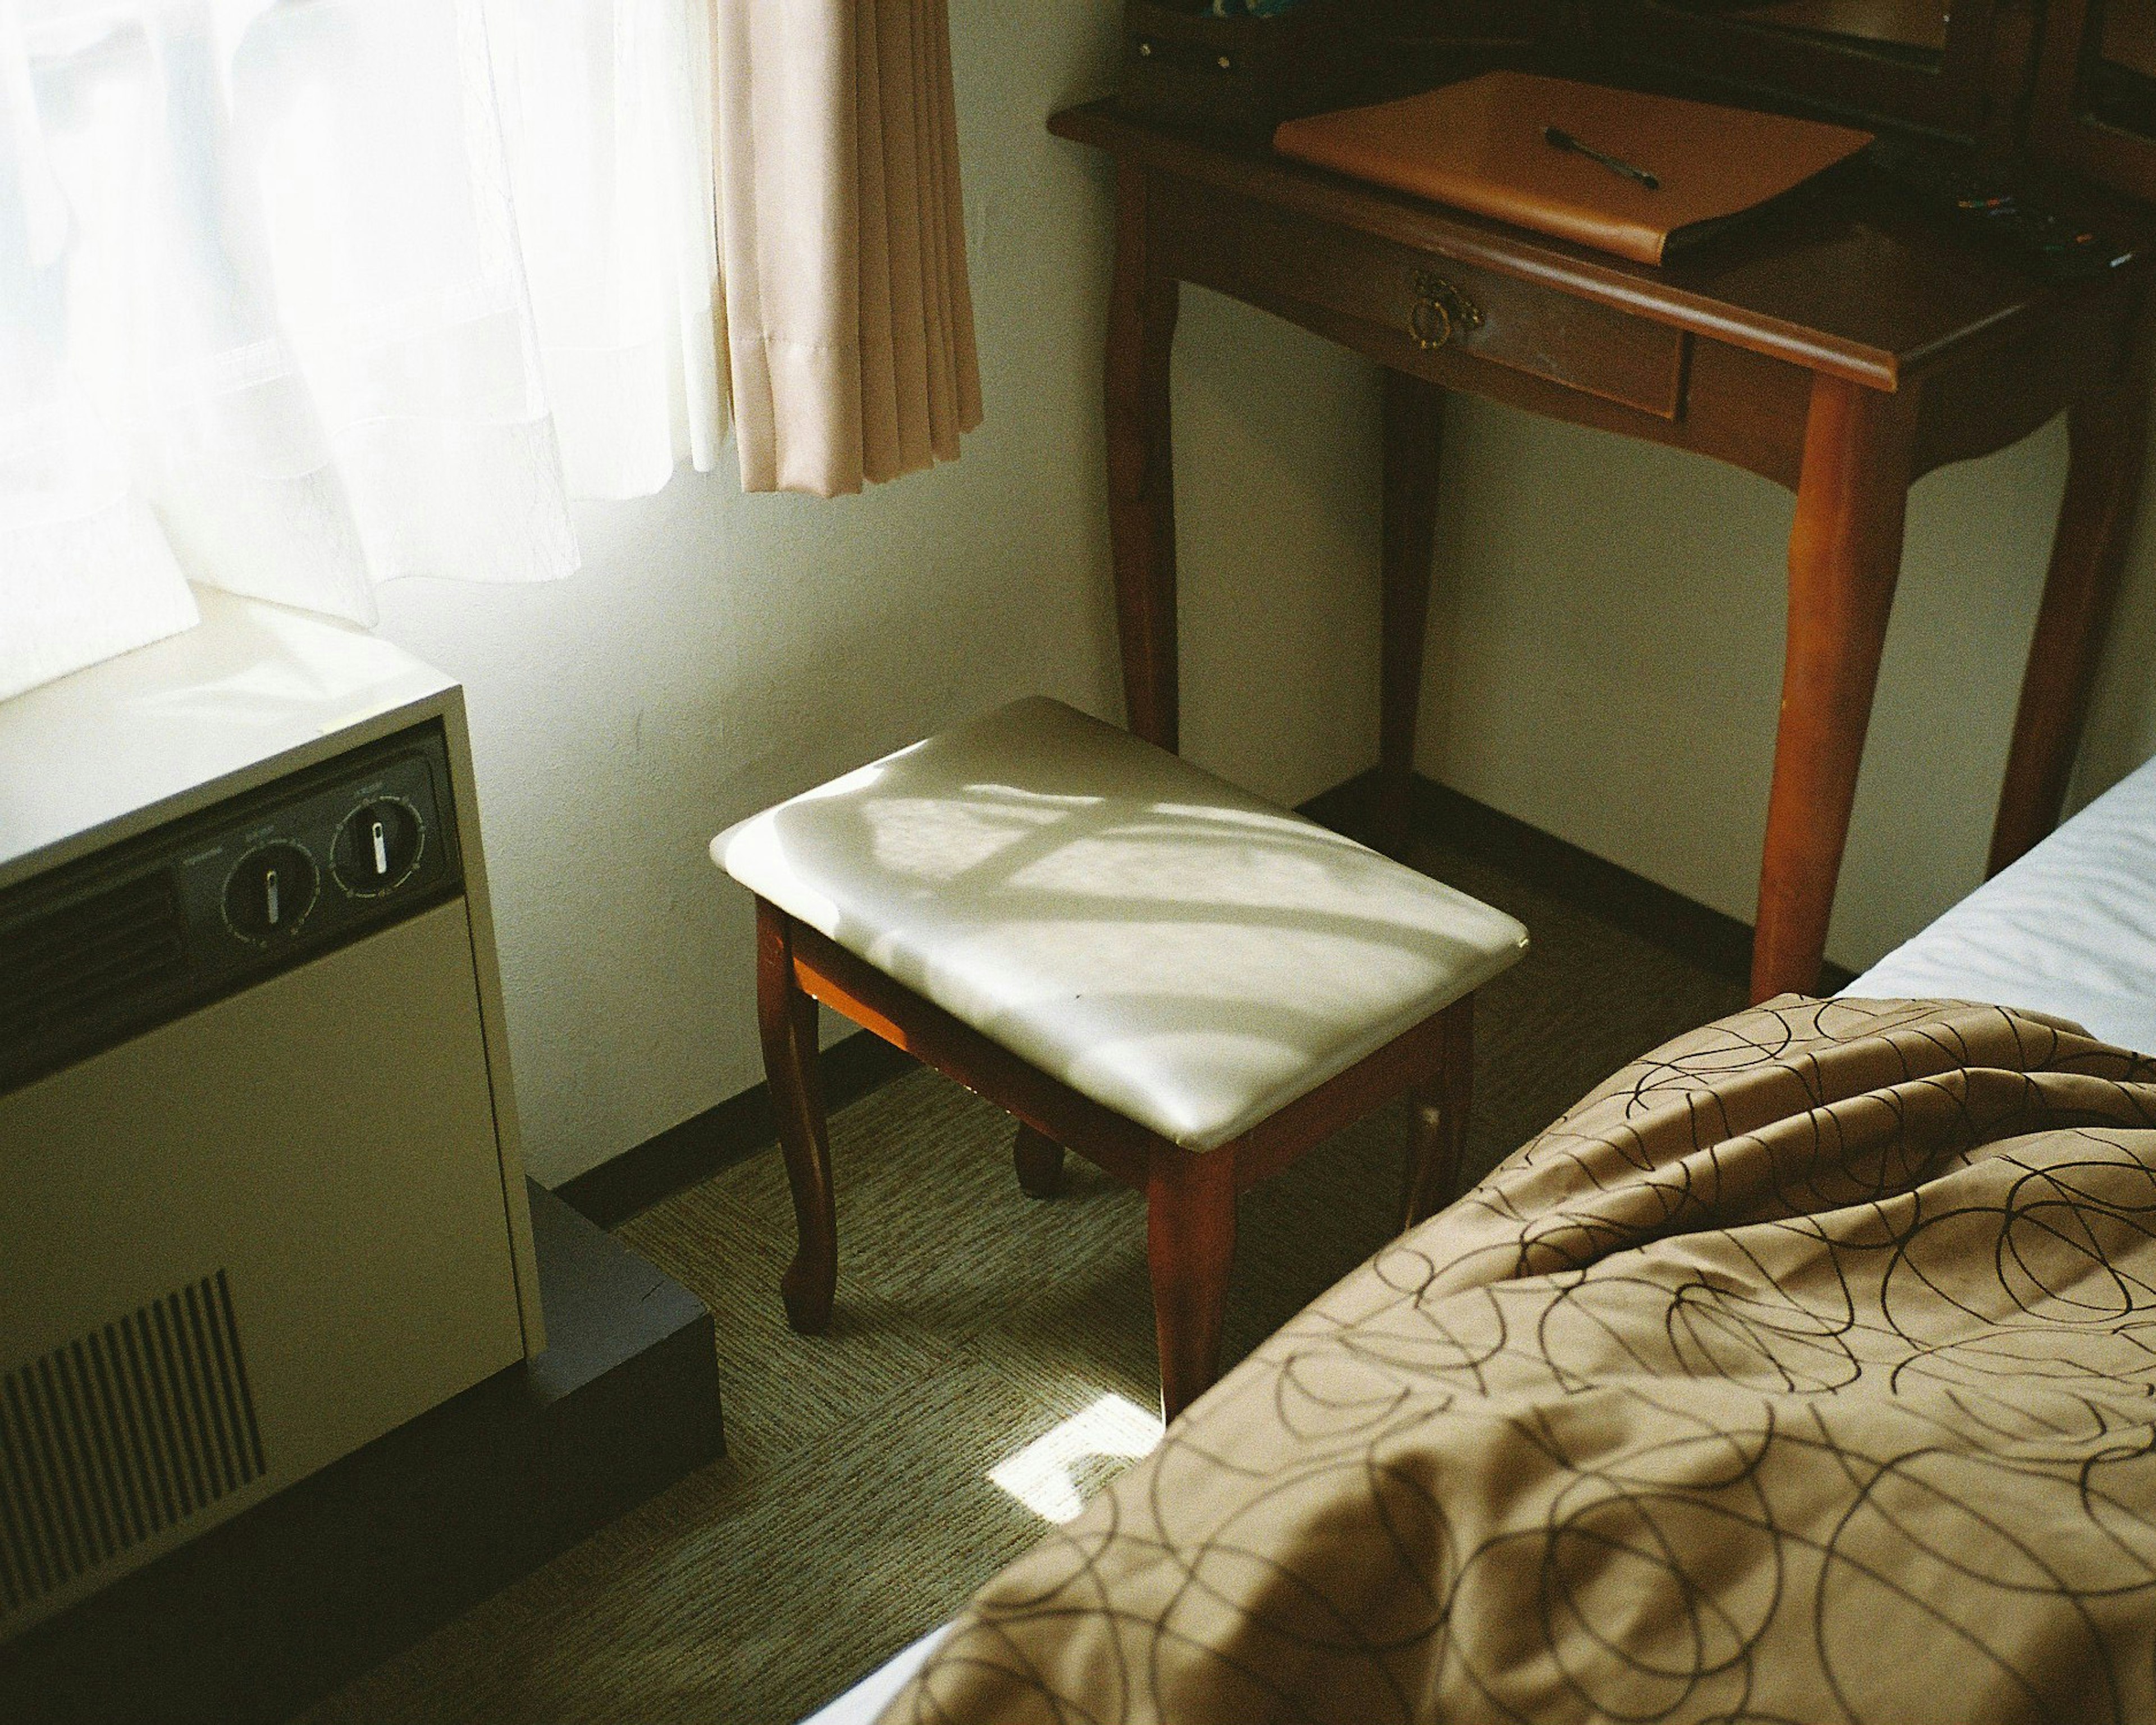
1958 98
2061 130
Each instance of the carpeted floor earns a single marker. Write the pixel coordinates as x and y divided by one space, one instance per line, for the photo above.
855 1509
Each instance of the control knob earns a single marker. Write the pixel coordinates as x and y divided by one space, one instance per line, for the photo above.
377 846
270 892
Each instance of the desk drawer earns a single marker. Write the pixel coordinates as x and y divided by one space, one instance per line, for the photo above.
1425 301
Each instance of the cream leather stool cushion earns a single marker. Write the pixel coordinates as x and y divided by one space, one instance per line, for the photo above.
1177 949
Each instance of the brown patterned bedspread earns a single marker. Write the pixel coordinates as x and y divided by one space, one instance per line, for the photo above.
1806 1371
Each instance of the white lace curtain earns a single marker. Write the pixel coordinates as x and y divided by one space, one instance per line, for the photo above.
297 296
265 318
606 107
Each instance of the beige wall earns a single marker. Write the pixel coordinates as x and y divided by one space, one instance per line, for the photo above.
1606 669
1609 670
718 652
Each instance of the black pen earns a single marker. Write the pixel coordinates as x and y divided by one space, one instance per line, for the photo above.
1566 141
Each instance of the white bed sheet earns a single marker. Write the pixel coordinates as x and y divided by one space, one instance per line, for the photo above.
2069 930
860 1704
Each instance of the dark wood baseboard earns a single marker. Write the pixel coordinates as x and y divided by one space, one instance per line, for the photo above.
740 1126
721 1136
262 1616
1444 817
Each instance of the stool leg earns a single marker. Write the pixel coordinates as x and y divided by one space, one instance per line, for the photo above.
1190 1243
1439 1132
1039 1160
787 1017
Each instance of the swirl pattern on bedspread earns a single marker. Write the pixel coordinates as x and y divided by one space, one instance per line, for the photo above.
1804 1371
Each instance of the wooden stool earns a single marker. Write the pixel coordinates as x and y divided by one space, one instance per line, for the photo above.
1178 981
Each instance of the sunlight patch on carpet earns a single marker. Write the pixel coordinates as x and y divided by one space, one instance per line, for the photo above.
1048 1474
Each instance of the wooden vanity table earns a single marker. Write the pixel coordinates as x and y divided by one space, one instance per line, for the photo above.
1842 348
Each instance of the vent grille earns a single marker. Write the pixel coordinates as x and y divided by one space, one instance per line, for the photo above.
119 1435
106 952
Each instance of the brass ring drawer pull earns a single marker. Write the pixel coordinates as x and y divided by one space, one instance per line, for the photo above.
1441 312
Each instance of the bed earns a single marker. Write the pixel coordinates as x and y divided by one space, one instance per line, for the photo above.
1805 1370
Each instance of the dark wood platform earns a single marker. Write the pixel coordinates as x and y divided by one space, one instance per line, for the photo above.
261 1617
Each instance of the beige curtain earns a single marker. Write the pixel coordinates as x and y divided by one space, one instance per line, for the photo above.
842 241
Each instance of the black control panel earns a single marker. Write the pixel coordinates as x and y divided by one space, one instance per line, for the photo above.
104 948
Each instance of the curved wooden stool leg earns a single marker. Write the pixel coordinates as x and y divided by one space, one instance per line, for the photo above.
1039 1160
1190 1245
787 1017
1438 1133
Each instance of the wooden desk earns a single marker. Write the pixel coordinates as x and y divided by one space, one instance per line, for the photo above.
1842 352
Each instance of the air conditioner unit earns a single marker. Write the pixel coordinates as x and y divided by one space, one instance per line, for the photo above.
261 1197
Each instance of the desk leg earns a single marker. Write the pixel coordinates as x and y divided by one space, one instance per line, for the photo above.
1141 310
1414 424
2106 437
1845 558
